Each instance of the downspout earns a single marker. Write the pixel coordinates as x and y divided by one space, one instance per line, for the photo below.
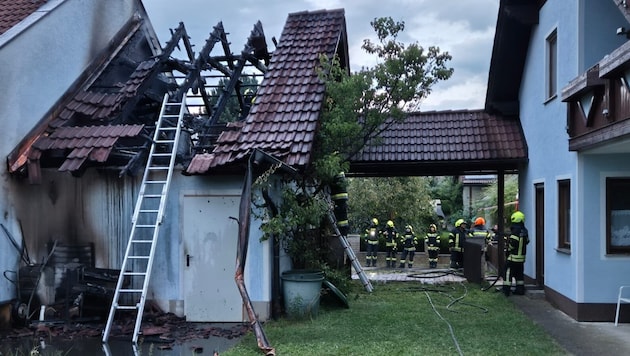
276 307
244 217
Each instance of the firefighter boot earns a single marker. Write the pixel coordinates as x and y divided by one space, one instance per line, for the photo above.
402 265
389 263
507 290
520 289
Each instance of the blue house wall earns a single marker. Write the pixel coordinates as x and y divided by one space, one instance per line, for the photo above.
586 32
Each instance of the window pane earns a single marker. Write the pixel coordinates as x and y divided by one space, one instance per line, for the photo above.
564 214
552 64
617 215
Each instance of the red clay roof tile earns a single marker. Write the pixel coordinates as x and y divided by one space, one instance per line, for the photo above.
289 95
14 11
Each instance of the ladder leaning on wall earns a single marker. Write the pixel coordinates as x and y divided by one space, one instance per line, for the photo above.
133 281
349 251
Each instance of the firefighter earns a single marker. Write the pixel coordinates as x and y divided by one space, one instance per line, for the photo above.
408 247
515 249
456 241
339 195
480 233
391 238
371 238
433 245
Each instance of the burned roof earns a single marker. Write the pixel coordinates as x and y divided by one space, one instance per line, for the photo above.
124 88
14 11
285 115
443 143
103 99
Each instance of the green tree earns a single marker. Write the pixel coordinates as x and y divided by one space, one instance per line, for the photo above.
449 191
357 109
404 200
490 193
232 111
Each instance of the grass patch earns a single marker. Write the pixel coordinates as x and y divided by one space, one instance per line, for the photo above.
408 318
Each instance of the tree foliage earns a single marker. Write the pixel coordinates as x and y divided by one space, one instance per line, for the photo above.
449 191
232 111
357 108
360 106
490 193
404 200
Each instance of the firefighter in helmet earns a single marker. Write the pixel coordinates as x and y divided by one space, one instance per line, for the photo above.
479 230
515 249
408 247
432 240
483 236
456 241
339 196
371 238
391 237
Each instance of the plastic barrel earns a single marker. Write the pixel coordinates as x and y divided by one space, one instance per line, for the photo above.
301 291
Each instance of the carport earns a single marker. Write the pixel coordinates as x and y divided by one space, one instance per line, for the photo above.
447 143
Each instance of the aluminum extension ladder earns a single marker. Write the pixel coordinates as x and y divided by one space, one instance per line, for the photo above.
133 281
350 253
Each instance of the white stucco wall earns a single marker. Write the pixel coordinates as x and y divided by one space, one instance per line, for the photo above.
40 58
166 280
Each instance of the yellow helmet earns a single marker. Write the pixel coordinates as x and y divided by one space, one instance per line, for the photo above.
460 222
375 221
517 217
390 223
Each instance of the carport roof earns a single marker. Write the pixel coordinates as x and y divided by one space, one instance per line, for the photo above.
444 143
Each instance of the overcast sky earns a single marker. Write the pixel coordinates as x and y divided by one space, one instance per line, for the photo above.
465 29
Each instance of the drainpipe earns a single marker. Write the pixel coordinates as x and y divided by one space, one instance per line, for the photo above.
244 219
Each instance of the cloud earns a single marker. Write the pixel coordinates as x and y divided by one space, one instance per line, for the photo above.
464 29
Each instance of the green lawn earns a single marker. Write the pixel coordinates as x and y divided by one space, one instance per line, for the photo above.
409 318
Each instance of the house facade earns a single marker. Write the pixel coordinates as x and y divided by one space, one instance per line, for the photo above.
561 68
43 56
76 123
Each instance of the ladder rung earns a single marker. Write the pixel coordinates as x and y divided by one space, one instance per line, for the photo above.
164 141
126 307
134 273
148 211
162 154
131 290
142 241
152 196
170 128
155 182
146 226
160 168
139 257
